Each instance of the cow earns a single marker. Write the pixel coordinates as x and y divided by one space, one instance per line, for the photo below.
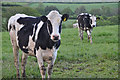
36 36
86 22
75 25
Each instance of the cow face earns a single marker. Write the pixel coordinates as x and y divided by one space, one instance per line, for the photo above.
55 24
93 20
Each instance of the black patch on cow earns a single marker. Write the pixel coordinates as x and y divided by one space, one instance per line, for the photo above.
26 31
49 26
44 18
14 27
23 36
60 27
84 21
9 28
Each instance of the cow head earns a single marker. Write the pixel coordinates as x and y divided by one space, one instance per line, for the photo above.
93 20
55 24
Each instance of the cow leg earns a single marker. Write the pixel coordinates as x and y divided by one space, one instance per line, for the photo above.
41 65
81 33
50 65
89 36
24 61
16 57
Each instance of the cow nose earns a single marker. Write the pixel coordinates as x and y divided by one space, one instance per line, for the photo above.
55 37
93 25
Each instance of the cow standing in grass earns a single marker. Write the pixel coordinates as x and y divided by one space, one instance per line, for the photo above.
86 22
36 36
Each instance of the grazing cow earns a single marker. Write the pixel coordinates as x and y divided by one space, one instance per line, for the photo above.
75 25
86 22
36 36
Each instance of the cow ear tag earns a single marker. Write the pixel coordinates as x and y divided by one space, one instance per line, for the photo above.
64 19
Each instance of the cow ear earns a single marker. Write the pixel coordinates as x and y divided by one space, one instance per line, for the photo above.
98 18
44 18
65 17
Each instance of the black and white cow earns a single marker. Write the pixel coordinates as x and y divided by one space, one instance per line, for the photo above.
36 36
86 23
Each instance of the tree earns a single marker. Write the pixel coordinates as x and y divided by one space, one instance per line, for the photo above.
106 11
95 12
80 9
41 8
8 12
67 11
50 8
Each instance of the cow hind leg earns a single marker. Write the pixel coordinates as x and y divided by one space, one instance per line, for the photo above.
16 57
24 61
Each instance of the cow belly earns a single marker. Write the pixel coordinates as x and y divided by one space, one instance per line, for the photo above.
31 46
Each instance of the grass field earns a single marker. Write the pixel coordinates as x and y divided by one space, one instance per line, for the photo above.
76 58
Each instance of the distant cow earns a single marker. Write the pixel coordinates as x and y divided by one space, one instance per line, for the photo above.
75 25
86 23
36 36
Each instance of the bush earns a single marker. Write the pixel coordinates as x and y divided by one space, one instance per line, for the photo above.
113 20
80 9
67 11
8 12
49 8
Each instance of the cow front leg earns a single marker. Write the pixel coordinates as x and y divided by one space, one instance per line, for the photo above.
81 33
49 72
41 65
50 65
24 61
89 36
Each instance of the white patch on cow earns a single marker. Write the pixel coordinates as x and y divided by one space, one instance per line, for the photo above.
93 18
81 14
47 54
55 19
31 46
88 32
24 47
38 29
90 15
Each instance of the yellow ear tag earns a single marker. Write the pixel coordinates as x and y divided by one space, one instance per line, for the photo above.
64 19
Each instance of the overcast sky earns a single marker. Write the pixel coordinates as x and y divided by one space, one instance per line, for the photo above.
61 0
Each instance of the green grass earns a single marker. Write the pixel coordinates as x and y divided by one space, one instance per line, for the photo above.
76 58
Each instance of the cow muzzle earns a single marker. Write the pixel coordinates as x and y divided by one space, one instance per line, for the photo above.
55 38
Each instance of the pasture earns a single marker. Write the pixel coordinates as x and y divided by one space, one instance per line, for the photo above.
73 6
76 58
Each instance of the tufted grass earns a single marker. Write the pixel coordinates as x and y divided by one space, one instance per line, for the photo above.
76 58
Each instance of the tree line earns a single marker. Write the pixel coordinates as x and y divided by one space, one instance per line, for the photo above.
109 16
